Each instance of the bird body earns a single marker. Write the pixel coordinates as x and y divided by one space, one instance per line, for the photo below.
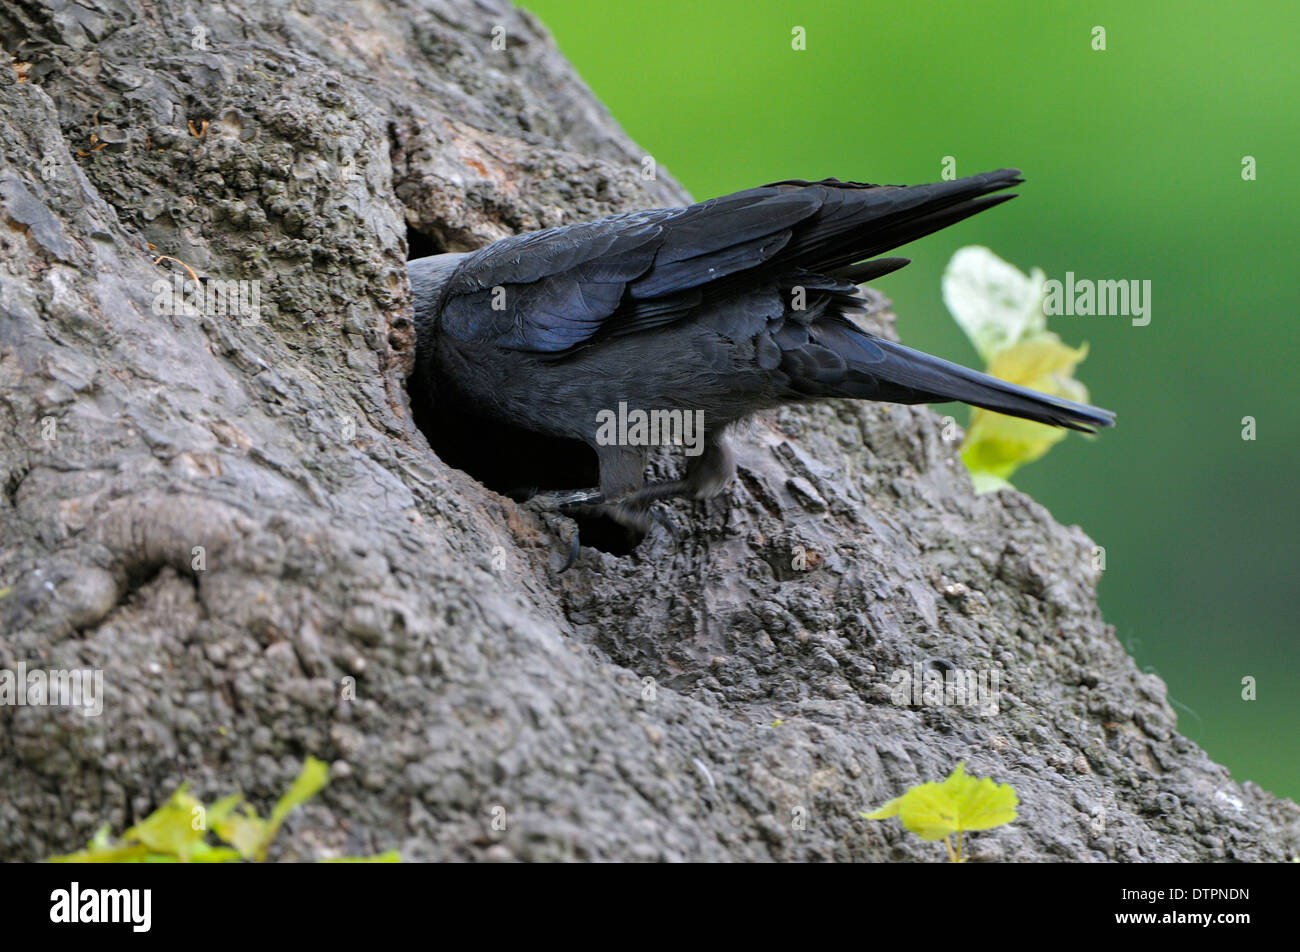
723 308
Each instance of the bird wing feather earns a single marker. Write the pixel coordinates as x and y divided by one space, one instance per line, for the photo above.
551 291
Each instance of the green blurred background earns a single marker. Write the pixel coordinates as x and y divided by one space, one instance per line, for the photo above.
1133 160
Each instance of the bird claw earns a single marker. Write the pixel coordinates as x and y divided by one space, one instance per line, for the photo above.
566 502
591 502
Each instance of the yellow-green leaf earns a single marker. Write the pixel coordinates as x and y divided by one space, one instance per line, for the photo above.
245 831
959 804
217 854
311 780
219 811
1001 309
314 776
103 837
171 828
885 812
981 804
177 831
997 445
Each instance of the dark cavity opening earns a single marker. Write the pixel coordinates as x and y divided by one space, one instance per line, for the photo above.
507 459
420 245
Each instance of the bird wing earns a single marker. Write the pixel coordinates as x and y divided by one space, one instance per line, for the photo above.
548 292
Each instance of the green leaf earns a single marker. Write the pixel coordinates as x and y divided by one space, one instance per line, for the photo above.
177 831
959 804
994 302
885 812
1001 310
997 445
245 831
170 828
311 780
980 804
103 838
217 854
223 808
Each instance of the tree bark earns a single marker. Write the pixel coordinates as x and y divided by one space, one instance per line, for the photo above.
237 521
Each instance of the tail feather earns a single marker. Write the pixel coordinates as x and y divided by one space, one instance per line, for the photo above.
903 375
859 221
918 226
870 270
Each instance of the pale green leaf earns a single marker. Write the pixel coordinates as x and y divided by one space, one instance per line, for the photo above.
994 302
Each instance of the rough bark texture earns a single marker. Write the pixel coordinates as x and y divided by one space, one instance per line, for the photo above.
292 143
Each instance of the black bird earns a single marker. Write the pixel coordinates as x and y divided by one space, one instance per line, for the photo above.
729 306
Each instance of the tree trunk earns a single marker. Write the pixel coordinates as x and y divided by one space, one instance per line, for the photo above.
234 518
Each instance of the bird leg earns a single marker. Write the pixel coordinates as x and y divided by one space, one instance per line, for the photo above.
706 476
565 501
624 498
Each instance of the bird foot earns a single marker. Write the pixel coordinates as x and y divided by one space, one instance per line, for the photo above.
637 518
631 512
568 502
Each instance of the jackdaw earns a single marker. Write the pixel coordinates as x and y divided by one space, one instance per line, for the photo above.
729 306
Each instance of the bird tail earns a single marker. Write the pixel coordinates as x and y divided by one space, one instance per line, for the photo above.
902 375
859 221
